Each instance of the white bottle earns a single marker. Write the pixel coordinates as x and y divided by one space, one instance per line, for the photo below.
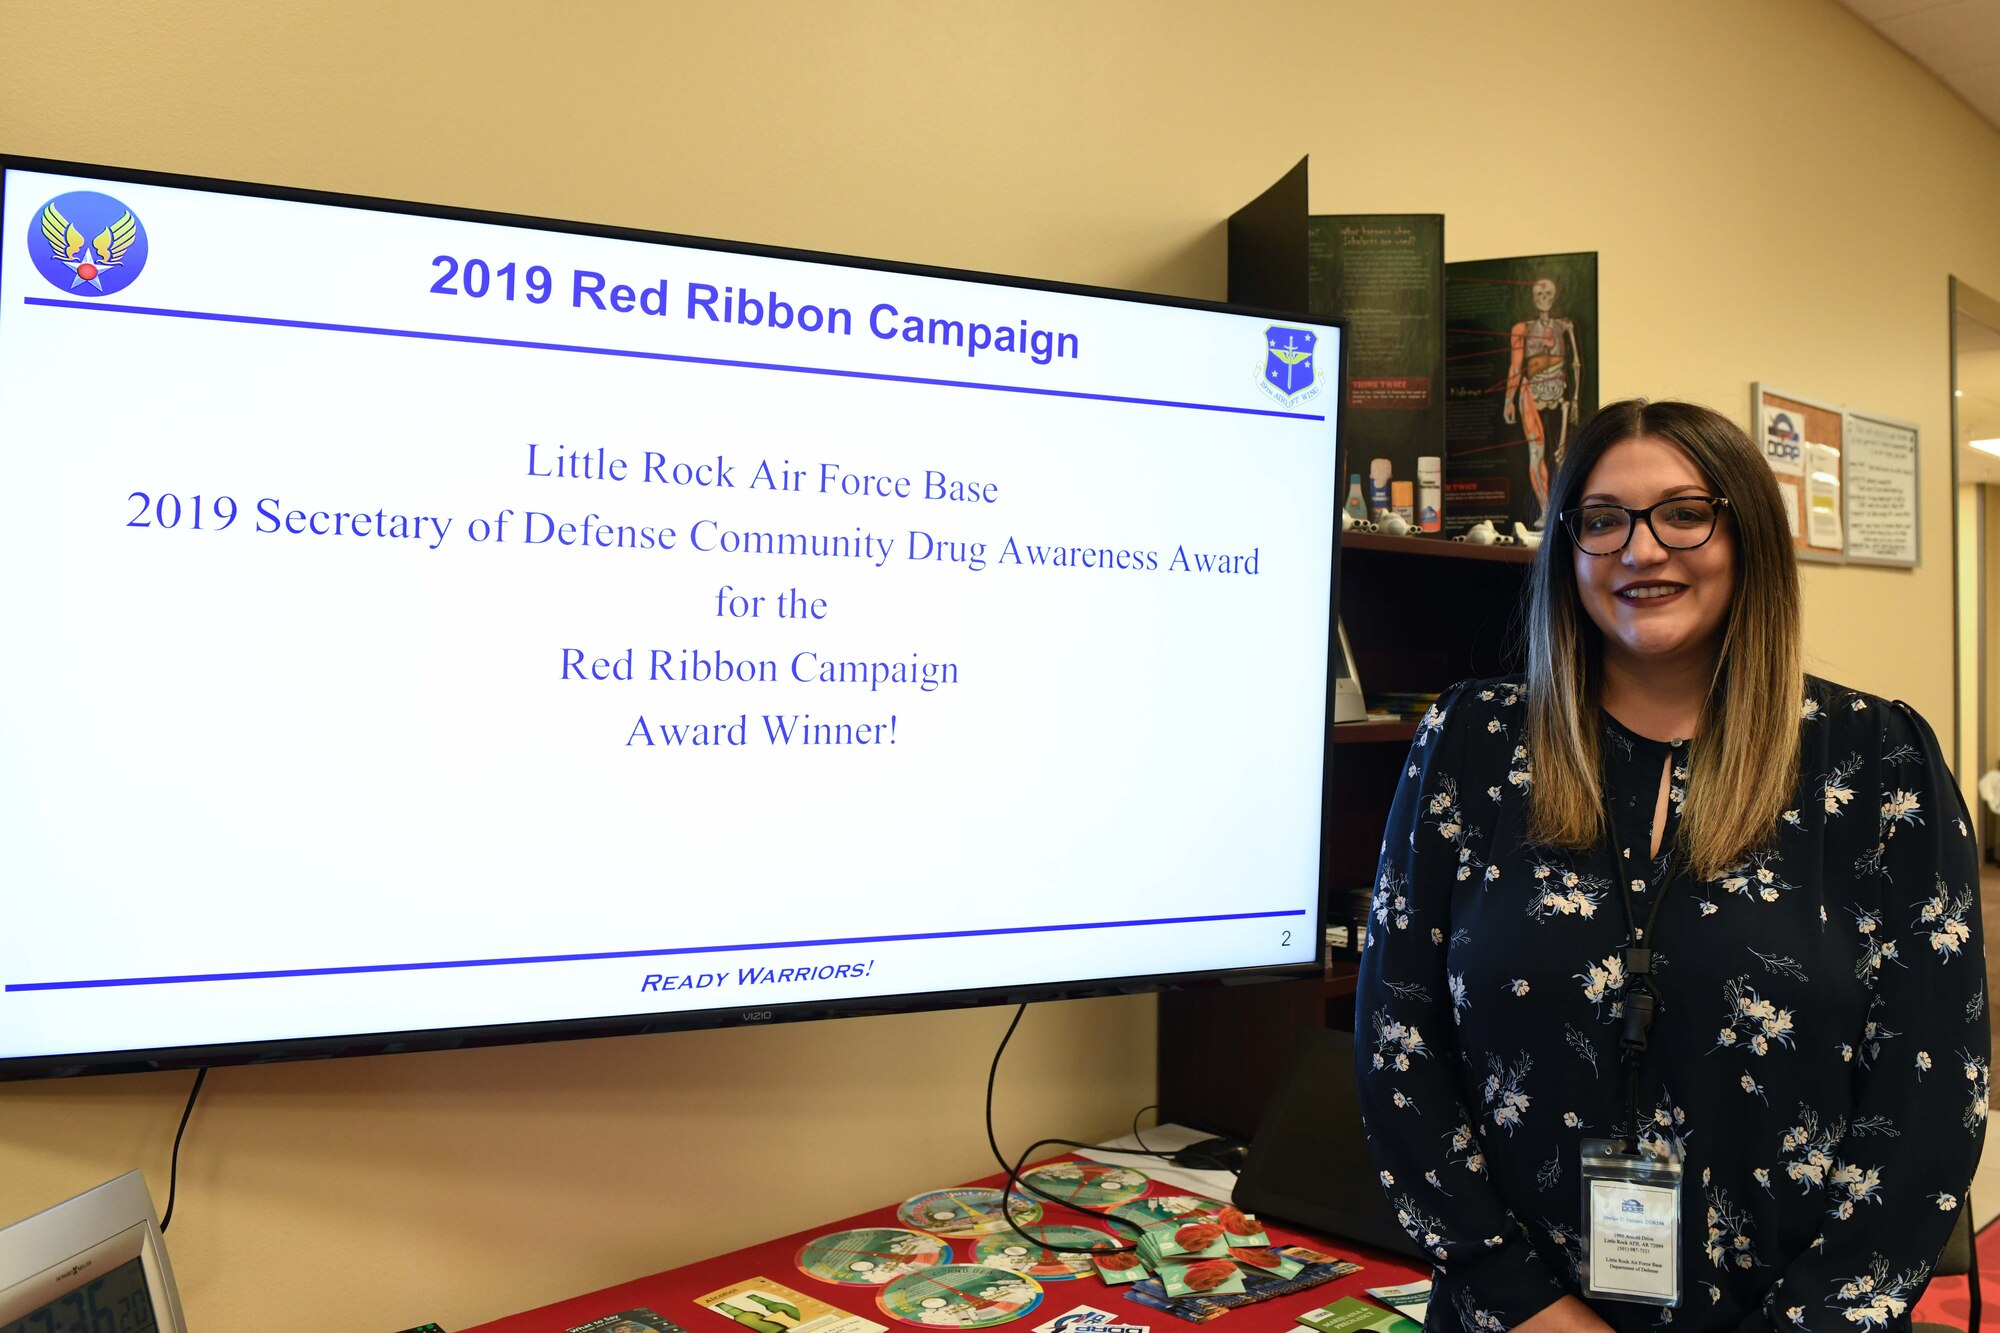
1378 489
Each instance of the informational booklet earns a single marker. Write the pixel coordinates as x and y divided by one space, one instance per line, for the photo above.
1351 1313
764 1306
1409 1298
641 1320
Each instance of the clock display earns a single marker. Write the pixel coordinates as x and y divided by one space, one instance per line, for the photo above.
117 1302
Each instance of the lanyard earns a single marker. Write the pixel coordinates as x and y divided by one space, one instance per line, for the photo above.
1641 997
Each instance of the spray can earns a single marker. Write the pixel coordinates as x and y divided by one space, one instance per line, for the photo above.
1430 493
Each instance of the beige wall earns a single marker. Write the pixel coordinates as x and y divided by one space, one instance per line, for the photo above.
1990 625
1776 194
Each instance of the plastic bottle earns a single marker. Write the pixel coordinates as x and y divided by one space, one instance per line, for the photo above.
1430 493
1378 489
1357 504
1403 499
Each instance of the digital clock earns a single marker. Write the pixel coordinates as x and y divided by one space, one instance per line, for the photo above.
116 1302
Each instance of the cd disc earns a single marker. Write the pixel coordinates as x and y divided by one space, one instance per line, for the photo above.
1007 1250
959 1296
965 1212
871 1256
1090 1185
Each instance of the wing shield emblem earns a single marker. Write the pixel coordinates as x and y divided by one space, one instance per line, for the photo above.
1290 375
87 244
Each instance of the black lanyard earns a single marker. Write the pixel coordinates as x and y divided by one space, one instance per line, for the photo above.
1641 997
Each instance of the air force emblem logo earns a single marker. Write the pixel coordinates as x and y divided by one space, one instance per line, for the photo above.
1289 375
87 244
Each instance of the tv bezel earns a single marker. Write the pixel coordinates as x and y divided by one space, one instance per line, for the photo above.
281 1050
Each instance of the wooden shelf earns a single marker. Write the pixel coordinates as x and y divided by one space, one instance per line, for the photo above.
1435 546
1362 733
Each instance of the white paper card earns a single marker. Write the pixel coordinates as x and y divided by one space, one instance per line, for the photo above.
1633 1240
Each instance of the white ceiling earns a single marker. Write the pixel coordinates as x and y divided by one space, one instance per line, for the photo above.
1957 40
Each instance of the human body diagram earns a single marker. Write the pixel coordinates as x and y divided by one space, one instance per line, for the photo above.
1544 380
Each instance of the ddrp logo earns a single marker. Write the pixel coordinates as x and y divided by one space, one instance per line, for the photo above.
1782 440
87 243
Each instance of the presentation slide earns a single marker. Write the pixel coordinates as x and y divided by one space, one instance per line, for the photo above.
421 623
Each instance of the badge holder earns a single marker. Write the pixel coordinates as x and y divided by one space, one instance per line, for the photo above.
1631 1225
1632 1198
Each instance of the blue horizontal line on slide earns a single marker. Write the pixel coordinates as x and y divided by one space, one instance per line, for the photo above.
361 968
270 322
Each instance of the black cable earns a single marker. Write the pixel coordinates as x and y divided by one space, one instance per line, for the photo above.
993 1073
1135 1125
174 1170
1015 1185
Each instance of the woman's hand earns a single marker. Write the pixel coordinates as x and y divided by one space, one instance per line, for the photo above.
1568 1315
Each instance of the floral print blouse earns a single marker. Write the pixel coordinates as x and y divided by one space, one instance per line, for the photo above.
1818 1060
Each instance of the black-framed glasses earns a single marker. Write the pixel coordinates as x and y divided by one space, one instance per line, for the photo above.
1679 524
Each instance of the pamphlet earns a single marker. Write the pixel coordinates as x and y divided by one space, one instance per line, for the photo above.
1252 1260
764 1306
1203 1277
1188 1240
1243 1230
641 1320
1118 1267
1257 1286
1409 1298
1351 1313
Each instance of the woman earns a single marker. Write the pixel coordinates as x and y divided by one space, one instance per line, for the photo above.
1794 897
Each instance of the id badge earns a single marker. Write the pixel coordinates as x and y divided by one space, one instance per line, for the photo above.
1631 1225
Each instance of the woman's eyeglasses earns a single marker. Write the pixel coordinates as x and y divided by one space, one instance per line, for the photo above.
1679 524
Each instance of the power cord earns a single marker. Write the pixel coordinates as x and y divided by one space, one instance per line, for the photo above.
1187 1157
1135 1125
174 1170
1016 1185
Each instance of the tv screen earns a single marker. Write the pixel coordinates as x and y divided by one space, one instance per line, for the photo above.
428 627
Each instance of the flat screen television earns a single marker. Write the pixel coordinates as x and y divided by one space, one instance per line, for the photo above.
433 628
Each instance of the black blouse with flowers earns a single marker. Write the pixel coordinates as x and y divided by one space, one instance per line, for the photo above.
1818 1060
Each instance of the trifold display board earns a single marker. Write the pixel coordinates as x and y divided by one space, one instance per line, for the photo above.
426 626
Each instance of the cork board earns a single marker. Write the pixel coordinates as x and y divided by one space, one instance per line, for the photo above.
1803 442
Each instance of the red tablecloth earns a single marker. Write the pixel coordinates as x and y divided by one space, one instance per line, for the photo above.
672 1293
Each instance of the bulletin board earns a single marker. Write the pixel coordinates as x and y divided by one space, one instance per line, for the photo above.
1802 440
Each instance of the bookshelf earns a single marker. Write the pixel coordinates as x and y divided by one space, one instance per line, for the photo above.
1422 614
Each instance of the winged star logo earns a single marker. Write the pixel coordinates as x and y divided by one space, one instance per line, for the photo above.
87 244
1289 375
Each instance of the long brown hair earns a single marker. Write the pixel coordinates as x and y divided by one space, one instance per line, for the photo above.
1744 771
